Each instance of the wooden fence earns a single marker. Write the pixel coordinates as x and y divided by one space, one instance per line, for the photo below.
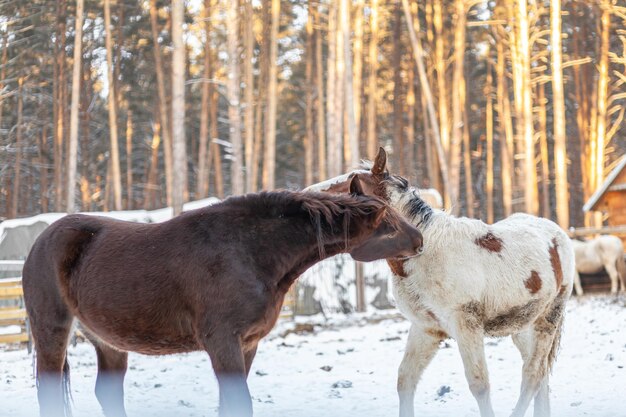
588 231
12 311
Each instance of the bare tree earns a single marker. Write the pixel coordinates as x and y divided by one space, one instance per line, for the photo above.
163 113
72 158
308 134
115 153
248 40
458 101
203 139
269 167
17 175
372 80
560 153
233 87
351 149
319 102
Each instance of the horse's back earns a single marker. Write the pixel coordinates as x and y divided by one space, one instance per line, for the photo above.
538 234
56 251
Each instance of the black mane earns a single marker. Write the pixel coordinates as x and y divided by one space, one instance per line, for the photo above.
415 208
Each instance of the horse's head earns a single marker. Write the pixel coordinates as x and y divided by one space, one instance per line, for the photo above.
383 232
374 179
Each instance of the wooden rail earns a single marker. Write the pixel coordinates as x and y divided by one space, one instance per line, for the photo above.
607 230
13 313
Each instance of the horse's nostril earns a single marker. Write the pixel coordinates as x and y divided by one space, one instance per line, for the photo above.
420 250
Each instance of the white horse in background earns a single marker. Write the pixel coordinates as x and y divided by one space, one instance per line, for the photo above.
606 252
472 281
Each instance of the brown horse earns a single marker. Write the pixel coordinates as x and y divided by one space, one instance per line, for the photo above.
212 279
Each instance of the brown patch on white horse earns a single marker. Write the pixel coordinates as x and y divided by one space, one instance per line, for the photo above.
555 260
397 267
490 242
533 283
437 334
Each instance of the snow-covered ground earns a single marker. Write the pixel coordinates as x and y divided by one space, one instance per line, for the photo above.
347 367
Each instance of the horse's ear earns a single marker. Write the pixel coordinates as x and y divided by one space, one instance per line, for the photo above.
380 162
355 186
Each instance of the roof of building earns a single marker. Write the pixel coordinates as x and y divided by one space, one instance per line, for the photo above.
606 186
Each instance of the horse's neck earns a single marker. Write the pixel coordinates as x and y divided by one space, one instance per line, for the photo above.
297 260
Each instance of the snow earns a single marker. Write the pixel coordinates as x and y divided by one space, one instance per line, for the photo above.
347 367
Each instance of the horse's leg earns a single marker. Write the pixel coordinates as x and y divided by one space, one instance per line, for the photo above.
421 347
112 366
472 349
544 340
577 285
50 323
225 350
524 343
612 271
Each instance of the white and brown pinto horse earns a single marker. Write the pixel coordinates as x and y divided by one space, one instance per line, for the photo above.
606 252
472 281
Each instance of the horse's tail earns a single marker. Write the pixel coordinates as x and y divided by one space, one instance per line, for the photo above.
67 392
556 344
620 265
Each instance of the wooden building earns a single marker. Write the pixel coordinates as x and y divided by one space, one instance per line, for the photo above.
611 197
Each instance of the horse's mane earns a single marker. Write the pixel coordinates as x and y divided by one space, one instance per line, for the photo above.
323 208
416 207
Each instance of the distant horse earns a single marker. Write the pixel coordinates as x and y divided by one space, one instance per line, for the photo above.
602 252
473 281
212 279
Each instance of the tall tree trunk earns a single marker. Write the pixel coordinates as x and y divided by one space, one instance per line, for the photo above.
43 161
339 145
505 133
266 17
351 150
440 66
248 37
269 167
308 116
203 140
319 91
3 70
148 202
409 154
115 156
331 83
418 54
163 113
72 157
217 156
458 102
530 175
357 79
601 105
467 154
372 139
15 197
129 160
489 135
179 151
398 101
233 87
59 47
543 146
560 151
